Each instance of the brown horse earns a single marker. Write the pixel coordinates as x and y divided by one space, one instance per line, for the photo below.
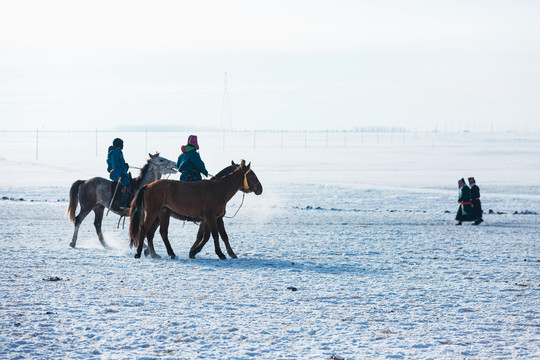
201 240
96 194
194 201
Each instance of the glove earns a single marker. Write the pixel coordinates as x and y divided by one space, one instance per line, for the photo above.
127 166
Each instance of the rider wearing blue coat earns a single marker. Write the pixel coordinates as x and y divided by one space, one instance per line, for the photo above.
190 163
116 165
118 171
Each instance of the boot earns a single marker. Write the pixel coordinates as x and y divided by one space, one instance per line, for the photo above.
123 200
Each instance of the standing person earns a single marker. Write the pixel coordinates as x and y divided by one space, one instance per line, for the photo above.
465 210
475 199
189 162
118 170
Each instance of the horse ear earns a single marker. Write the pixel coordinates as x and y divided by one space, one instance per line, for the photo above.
243 163
232 163
249 165
151 156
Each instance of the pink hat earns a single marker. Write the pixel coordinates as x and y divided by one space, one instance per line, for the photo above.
192 140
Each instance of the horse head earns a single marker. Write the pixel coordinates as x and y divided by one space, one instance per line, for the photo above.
162 165
251 182
155 168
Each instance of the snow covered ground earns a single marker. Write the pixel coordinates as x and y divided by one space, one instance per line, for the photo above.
351 251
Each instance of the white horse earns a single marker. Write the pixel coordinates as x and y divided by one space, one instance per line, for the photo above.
96 194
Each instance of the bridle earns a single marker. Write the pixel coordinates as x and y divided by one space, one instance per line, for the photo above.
161 168
246 184
246 188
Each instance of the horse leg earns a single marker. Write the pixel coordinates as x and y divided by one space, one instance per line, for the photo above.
195 248
205 236
142 235
223 233
212 224
150 238
78 220
98 210
150 217
164 220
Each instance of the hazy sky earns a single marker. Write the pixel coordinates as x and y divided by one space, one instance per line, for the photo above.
290 64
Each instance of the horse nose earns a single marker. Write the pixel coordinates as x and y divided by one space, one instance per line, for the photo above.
259 190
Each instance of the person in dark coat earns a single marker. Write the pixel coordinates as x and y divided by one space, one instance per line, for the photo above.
189 162
465 210
475 199
118 169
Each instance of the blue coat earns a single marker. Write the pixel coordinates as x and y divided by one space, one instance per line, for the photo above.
116 166
190 165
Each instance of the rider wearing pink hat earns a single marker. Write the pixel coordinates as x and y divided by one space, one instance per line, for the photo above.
189 162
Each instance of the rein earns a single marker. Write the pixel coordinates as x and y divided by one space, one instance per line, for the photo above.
237 210
246 187
160 167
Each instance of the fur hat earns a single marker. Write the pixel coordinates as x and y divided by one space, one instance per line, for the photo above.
192 140
119 143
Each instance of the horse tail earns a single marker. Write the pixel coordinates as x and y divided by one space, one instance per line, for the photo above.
73 200
136 214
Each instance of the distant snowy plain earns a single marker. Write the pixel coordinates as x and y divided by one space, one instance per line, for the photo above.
350 251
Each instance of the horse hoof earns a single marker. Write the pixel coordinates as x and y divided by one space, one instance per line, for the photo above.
72 245
146 252
222 257
156 256
192 255
233 256
137 256
173 256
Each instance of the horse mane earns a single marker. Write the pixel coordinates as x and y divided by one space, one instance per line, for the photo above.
143 172
229 169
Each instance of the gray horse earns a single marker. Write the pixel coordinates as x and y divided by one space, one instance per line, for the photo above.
96 194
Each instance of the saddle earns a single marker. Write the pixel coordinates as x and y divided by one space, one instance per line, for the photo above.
123 194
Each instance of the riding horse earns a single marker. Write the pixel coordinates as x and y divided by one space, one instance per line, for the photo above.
96 194
203 201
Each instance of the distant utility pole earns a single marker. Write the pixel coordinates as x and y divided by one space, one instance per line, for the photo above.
226 120
37 143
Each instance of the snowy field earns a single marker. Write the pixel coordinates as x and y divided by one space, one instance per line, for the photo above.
351 251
